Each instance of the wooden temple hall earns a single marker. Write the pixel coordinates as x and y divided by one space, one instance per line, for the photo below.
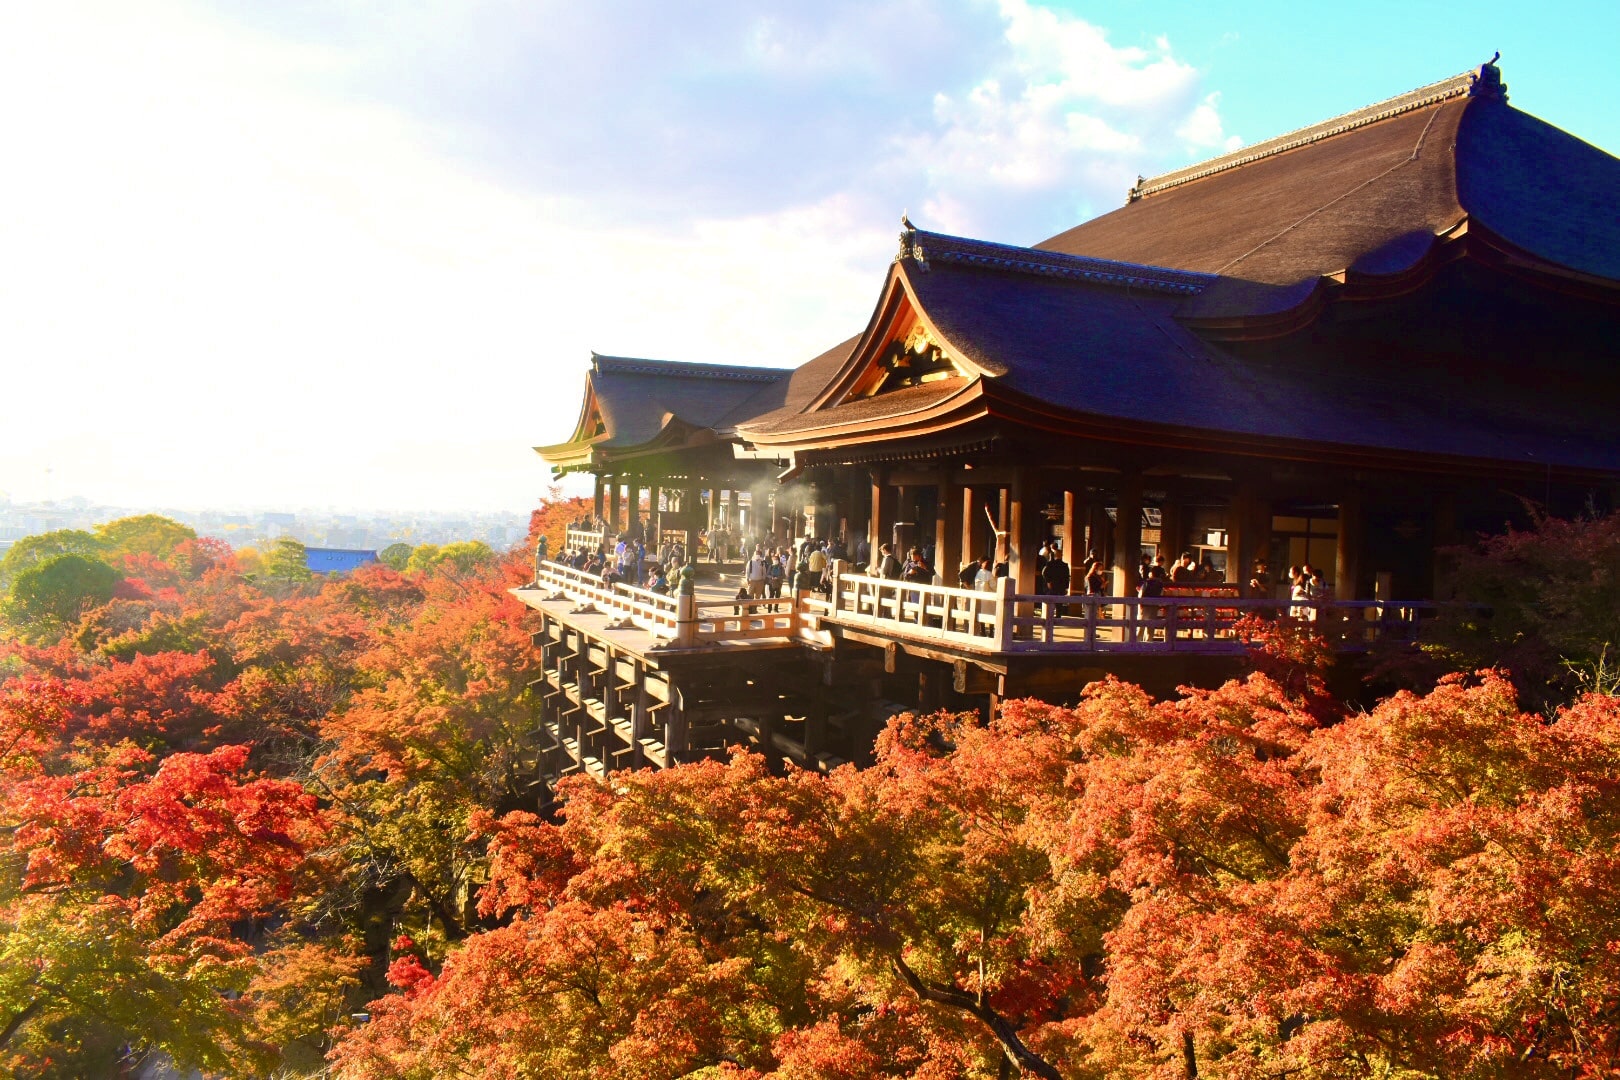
1350 346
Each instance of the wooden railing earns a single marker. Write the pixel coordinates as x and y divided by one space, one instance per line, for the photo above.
983 622
963 617
678 621
584 539
1007 622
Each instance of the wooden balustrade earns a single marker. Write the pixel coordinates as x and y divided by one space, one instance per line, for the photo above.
985 622
681 621
586 539
1003 621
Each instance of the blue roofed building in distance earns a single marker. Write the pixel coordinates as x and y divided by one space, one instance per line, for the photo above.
326 560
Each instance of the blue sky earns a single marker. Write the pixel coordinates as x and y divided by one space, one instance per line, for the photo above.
356 254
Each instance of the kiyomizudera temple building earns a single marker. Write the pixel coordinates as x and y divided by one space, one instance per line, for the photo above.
1351 346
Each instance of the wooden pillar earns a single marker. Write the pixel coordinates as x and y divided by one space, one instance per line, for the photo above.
1239 545
970 523
1347 561
1004 536
1099 529
596 502
1072 549
1022 525
1445 535
1172 529
883 511
654 524
1127 531
733 525
613 506
640 719
947 542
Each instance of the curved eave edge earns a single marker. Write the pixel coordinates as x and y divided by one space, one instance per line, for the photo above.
995 403
1466 239
1030 412
872 429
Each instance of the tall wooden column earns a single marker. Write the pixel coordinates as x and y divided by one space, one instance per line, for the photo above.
613 506
1072 548
1347 563
733 523
1004 538
1239 532
1172 528
1022 525
596 501
947 542
1127 531
970 522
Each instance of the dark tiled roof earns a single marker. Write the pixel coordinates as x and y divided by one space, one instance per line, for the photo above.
1540 188
1098 321
1369 192
638 398
1119 355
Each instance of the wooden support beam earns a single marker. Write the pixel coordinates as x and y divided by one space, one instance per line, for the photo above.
971 679
1023 526
1239 532
1127 532
948 557
1072 548
1347 561
970 523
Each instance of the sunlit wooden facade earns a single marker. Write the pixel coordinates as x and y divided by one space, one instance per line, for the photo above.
1352 346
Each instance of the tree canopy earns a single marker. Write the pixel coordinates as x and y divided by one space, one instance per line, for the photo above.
241 812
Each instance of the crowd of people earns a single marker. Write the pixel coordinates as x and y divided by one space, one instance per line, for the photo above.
773 566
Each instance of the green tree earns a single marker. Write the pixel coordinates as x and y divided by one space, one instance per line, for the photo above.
33 550
395 556
49 597
152 534
287 561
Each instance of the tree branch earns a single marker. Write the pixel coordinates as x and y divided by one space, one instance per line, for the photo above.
1013 1047
21 1018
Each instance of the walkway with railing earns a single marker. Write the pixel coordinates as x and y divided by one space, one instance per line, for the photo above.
971 621
1007 622
682 622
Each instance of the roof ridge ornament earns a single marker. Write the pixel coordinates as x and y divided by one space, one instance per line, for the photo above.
1487 82
909 248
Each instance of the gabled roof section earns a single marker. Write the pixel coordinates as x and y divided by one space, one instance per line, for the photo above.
632 404
994 312
902 334
1373 193
1423 97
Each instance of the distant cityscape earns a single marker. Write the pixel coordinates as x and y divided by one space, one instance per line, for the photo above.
248 528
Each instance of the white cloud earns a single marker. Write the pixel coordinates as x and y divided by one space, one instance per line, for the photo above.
362 261
1057 130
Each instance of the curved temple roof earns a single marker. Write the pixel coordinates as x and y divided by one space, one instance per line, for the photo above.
1133 325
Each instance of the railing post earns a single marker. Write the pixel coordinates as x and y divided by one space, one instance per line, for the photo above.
1004 614
685 621
839 568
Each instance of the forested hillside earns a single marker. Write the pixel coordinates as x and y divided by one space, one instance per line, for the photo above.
266 825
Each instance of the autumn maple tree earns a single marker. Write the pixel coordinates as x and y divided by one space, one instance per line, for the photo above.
261 824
